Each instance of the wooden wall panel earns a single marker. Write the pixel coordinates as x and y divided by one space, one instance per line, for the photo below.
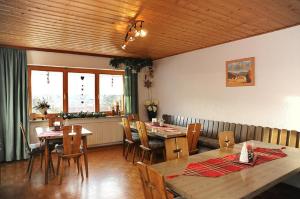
98 27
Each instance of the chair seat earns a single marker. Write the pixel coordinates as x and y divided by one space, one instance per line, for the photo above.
37 147
135 137
156 144
203 149
134 130
59 148
209 142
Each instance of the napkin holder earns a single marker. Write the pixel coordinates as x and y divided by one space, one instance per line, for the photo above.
245 157
155 122
57 126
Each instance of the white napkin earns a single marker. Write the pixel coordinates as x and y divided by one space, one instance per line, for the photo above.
244 154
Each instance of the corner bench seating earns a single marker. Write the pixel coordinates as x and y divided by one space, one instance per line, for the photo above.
242 132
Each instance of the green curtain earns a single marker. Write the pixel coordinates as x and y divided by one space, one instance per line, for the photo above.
131 91
13 103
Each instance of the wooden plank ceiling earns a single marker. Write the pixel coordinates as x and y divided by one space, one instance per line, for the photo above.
174 26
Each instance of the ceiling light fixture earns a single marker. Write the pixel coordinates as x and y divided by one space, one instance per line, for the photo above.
135 30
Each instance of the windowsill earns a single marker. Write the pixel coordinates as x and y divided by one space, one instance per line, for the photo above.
85 118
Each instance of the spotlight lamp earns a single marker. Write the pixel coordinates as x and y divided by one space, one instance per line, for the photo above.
135 30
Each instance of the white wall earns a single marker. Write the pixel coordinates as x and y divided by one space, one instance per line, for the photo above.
67 60
193 83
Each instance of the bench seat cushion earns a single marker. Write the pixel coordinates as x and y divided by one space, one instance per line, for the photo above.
209 142
204 149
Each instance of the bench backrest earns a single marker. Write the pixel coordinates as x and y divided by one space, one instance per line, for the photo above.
242 132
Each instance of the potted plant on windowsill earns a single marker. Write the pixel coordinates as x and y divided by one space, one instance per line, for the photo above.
151 107
42 106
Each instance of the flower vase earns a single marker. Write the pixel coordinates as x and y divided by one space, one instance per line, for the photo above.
43 111
151 114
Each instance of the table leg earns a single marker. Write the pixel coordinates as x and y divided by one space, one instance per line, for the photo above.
84 141
46 160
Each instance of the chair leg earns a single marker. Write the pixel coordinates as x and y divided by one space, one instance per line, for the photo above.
62 171
151 157
58 164
124 148
81 171
127 151
29 163
42 158
69 162
134 152
51 164
30 169
78 164
143 155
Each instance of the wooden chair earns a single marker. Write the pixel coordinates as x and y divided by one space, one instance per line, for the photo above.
226 135
148 147
133 117
71 148
153 183
130 142
193 134
34 150
176 148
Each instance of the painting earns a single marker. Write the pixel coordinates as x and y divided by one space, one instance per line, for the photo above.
240 72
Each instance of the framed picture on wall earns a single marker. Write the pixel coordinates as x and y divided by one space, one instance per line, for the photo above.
240 72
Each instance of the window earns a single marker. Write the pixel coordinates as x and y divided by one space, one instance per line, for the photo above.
111 91
75 90
81 90
47 85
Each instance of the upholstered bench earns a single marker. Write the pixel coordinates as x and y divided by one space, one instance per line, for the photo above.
242 132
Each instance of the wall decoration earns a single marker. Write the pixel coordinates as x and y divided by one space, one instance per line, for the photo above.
82 90
48 77
240 72
134 64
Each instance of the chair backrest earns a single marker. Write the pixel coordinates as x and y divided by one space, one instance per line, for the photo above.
193 134
133 117
153 182
142 133
25 140
176 148
127 130
226 135
72 139
51 120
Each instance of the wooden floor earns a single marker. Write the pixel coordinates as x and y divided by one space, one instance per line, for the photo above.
111 176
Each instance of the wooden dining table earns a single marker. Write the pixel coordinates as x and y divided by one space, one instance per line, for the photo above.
246 183
48 134
164 132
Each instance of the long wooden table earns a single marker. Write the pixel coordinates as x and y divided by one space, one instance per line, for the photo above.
47 134
163 132
246 183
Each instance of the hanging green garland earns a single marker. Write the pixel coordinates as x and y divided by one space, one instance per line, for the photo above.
133 63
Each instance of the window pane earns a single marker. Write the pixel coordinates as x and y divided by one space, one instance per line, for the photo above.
49 86
111 91
81 92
